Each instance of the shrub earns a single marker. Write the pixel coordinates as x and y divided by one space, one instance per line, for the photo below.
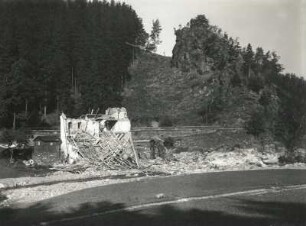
9 135
256 124
292 157
165 121
169 142
286 159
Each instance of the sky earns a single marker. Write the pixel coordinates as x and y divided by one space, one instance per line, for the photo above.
275 25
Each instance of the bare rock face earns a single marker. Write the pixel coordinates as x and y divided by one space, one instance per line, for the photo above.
190 51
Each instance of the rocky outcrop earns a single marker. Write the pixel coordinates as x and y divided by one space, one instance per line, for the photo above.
190 50
203 82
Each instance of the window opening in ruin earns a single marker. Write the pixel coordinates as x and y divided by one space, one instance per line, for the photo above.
69 127
109 124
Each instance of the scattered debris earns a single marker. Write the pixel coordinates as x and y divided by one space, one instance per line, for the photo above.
73 177
217 160
160 196
29 162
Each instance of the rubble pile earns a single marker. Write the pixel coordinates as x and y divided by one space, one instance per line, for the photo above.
109 149
216 160
102 140
236 159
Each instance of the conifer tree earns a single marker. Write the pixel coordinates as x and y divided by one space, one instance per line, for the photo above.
154 39
248 60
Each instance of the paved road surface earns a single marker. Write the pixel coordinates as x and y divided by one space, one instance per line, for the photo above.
264 197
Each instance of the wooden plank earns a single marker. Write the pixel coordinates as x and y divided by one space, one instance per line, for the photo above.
107 150
134 150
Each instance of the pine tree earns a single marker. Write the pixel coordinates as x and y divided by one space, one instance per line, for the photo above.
258 60
248 60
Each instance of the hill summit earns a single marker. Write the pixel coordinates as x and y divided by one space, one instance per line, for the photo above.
200 84
212 80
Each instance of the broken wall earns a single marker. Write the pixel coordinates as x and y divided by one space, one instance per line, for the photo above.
99 139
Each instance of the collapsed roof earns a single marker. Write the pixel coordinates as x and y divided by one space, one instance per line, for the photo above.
103 139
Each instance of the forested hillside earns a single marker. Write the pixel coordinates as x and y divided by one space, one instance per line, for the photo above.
212 79
75 56
62 55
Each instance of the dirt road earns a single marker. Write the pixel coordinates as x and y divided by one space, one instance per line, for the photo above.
264 197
